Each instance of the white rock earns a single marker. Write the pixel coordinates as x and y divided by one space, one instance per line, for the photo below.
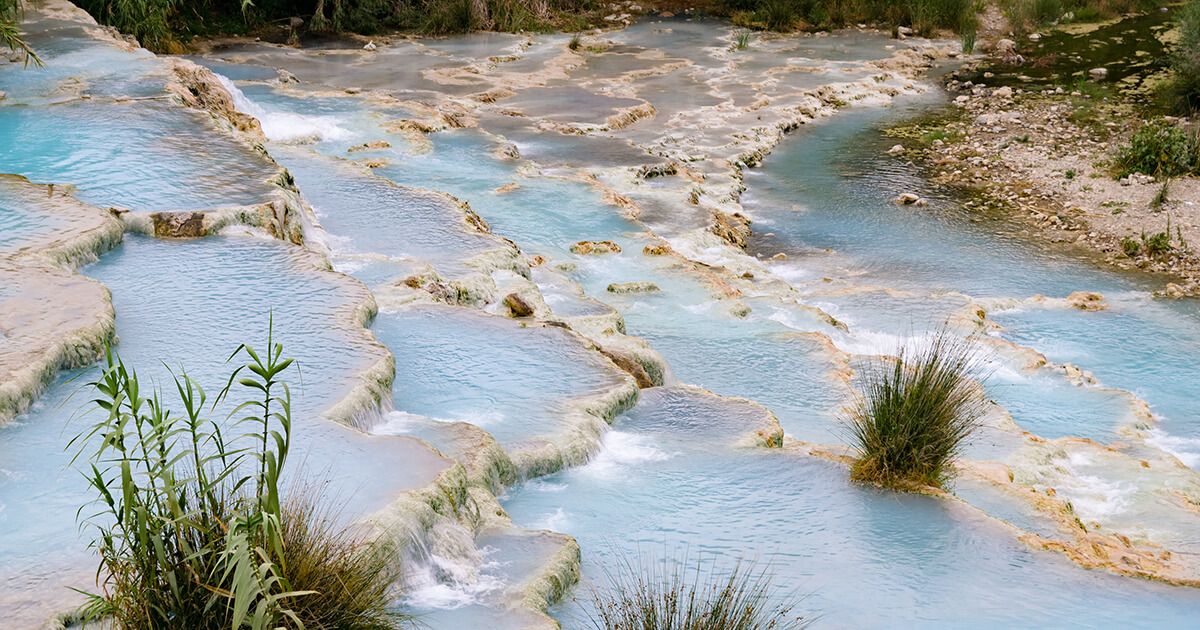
1098 73
1002 92
896 149
1035 37
910 199
370 46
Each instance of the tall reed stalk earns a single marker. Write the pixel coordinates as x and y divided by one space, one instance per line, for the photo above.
191 527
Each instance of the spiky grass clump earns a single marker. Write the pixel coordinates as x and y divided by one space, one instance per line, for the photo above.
348 575
915 412
678 595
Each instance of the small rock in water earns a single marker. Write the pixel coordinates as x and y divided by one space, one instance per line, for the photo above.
910 199
517 305
1087 301
1035 37
896 149
596 247
370 46
1098 73
374 145
633 287
510 152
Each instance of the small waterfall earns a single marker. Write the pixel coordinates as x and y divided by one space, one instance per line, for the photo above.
286 127
446 570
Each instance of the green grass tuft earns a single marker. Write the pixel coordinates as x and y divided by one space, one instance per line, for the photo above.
915 413
678 595
742 40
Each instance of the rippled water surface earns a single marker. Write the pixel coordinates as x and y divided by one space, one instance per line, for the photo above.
444 175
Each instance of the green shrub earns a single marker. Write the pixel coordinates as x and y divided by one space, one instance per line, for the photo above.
1131 246
927 16
1160 149
915 412
451 16
152 22
192 531
1046 11
1157 244
687 597
1183 90
779 15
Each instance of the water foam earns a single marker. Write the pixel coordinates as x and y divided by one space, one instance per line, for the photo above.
1092 497
1186 449
555 521
621 450
442 582
286 127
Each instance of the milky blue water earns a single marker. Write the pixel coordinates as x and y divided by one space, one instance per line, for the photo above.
145 156
187 305
669 476
860 557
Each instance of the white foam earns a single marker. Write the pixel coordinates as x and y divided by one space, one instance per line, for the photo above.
447 583
398 423
621 450
1092 497
286 127
541 485
401 422
555 521
792 273
1186 449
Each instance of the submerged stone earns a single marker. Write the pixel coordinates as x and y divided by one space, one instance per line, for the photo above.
596 247
633 287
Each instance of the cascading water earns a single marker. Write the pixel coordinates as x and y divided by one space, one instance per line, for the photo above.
557 241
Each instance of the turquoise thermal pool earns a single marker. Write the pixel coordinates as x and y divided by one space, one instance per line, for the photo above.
556 310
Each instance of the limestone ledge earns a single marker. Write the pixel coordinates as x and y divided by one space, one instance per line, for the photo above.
39 341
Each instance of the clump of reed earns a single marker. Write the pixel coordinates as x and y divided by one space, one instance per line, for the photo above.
679 595
191 526
915 412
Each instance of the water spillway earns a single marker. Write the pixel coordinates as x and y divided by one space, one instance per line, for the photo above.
598 326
